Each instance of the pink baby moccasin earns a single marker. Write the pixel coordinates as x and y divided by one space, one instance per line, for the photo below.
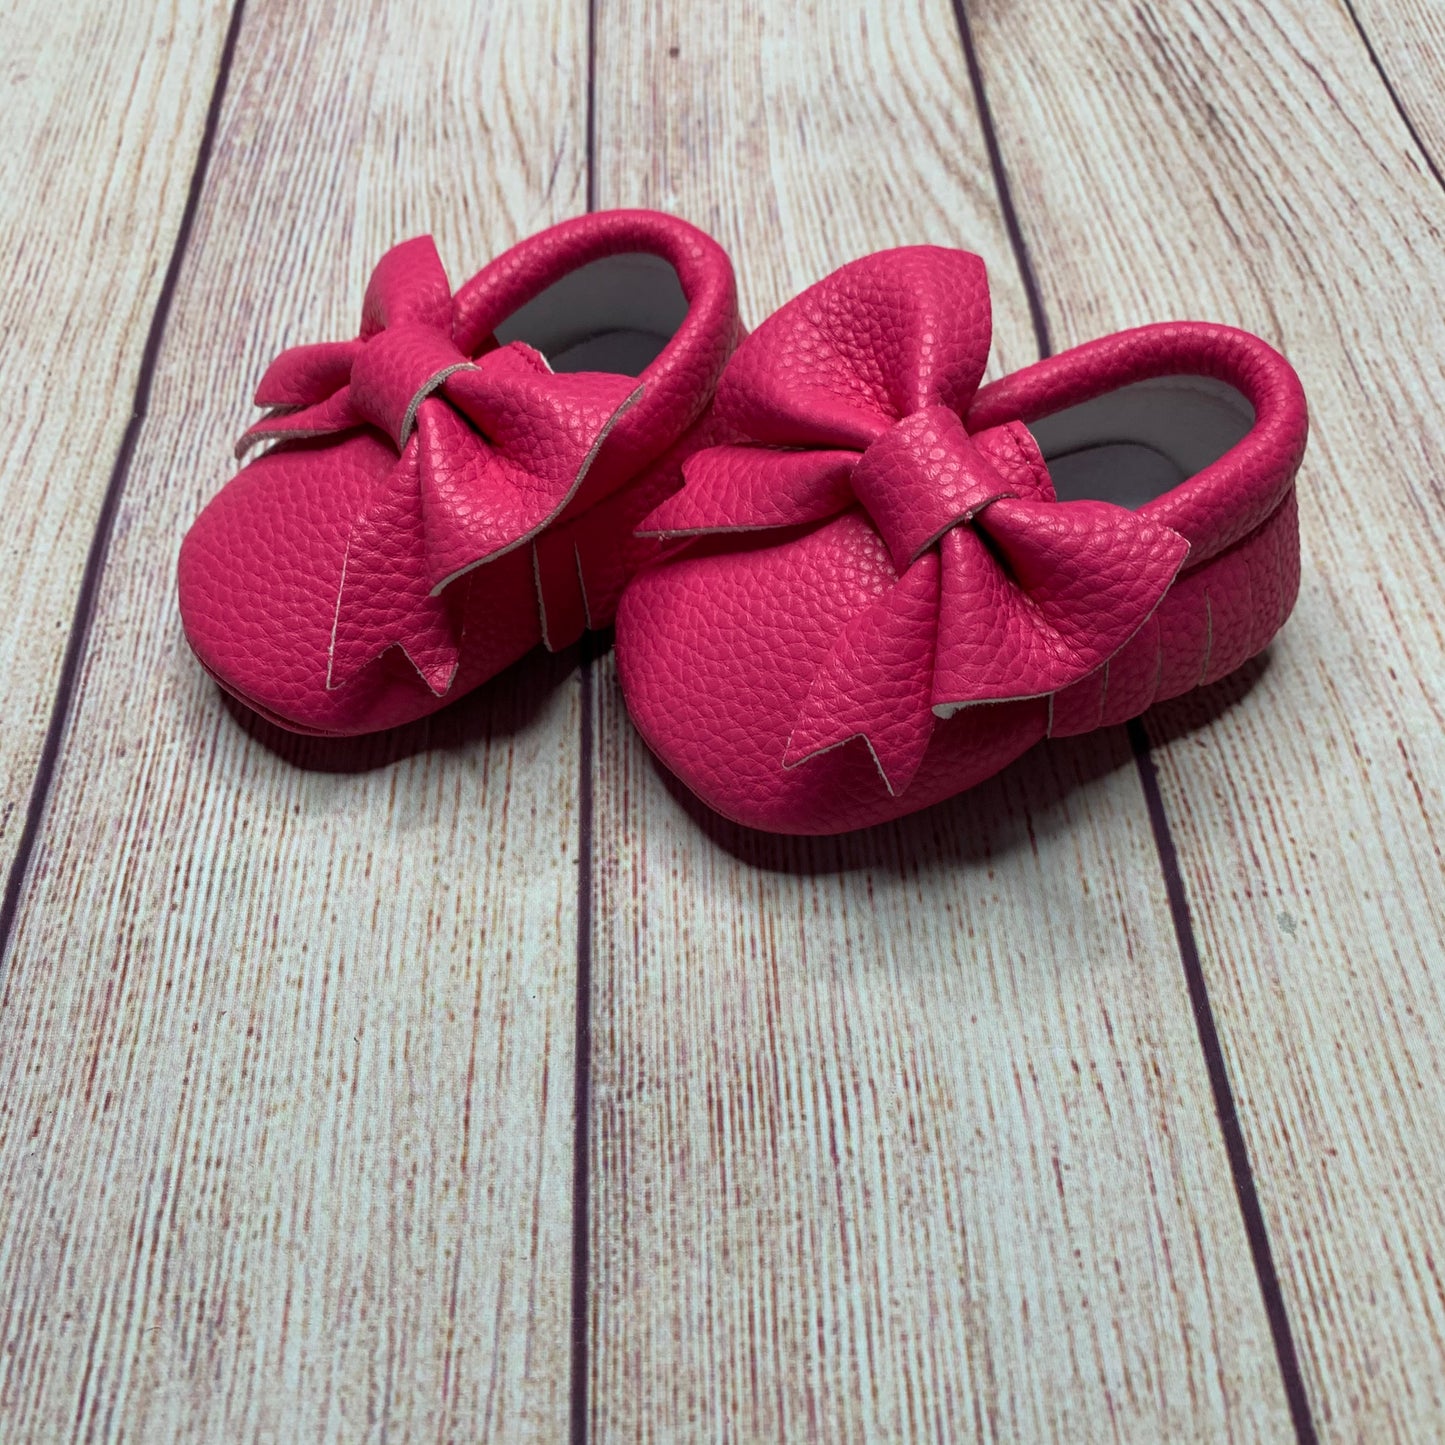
890 583
464 479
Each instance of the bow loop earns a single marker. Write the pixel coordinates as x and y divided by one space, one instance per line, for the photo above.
408 286
867 346
853 396
509 454
489 451
1077 581
754 489
305 375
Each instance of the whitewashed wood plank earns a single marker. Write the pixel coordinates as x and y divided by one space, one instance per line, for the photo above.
905 1136
1244 162
103 114
286 1048
1407 38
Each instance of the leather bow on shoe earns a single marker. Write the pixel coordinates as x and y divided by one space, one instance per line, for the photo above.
852 396
489 451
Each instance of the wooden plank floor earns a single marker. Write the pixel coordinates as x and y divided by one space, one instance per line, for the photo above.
873 1211
1304 808
1103 1103
88 243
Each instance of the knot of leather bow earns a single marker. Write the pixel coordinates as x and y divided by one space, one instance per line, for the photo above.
490 449
853 397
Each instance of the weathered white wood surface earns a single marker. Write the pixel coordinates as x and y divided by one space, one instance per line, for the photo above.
101 119
1268 182
286 1052
1408 41
906 1136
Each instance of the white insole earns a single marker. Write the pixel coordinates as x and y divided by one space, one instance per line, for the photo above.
616 314
1131 445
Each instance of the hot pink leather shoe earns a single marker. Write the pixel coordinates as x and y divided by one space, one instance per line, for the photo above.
898 583
463 480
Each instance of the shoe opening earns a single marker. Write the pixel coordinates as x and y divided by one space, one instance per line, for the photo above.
1133 444
616 314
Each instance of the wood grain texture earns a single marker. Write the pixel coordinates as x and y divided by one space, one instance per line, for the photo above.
286 1048
1408 41
905 1136
103 112
1267 181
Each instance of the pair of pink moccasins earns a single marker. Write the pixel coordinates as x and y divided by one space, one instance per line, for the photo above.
847 581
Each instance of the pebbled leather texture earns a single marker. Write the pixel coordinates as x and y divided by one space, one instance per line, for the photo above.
433 505
880 600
